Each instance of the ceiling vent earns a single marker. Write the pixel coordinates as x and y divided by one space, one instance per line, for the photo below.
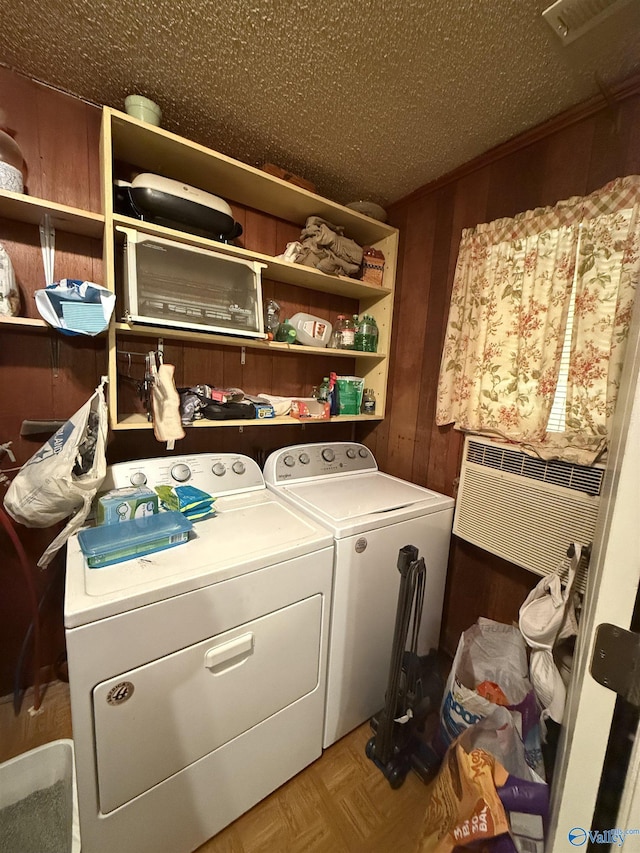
570 19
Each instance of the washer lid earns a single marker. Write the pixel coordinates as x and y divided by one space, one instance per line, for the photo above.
250 532
364 501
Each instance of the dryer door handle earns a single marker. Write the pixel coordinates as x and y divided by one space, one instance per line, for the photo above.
231 653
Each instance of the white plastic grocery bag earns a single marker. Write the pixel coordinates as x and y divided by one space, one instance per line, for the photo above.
62 478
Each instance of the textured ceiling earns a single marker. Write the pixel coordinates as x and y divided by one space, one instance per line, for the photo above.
368 99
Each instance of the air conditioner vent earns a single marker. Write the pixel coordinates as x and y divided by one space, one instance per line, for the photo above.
526 510
580 478
570 19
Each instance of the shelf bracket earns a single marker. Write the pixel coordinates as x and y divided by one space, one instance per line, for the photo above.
160 349
243 355
55 355
240 429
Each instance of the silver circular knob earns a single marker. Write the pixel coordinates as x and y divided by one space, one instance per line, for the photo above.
363 452
219 469
351 453
181 472
304 458
238 467
289 461
328 455
138 479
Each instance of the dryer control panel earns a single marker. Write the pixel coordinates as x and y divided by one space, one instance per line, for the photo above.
216 473
306 461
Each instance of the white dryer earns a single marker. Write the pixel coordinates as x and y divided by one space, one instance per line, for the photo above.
188 705
371 516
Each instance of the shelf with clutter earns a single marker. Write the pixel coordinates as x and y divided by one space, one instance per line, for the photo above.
265 224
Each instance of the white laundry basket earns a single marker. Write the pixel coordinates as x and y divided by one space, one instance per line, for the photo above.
38 802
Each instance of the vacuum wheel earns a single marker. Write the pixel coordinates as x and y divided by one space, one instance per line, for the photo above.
370 748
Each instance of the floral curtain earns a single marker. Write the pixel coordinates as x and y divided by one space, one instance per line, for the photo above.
511 295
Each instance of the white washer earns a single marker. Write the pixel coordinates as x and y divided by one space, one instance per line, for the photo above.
371 516
188 703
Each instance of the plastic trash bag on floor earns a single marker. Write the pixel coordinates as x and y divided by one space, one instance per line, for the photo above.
486 797
490 668
62 478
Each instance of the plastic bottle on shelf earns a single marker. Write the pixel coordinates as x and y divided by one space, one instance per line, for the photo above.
368 402
334 395
348 333
367 334
335 341
323 390
11 160
286 334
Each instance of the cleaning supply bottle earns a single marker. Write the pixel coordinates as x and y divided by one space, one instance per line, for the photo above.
368 402
11 160
334 395
286 334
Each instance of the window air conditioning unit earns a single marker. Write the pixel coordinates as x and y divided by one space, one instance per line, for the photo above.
524 509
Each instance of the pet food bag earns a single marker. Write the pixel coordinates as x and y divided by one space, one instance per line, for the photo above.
485 795
490 668
63 477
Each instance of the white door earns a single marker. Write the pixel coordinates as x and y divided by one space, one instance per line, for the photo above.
610 598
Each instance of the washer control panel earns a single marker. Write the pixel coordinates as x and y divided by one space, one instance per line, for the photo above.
215 473
304 461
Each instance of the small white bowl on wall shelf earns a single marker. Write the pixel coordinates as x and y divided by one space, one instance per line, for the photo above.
143 108
369 208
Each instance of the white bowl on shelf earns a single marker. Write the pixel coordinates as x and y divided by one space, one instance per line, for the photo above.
143 108
369 208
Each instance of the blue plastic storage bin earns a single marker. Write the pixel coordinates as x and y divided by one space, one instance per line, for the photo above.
114 543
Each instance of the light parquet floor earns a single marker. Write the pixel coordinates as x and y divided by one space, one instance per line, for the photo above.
339 804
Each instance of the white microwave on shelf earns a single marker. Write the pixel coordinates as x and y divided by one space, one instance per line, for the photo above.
172 284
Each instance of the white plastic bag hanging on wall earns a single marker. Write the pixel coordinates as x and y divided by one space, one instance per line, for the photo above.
62 478
76 307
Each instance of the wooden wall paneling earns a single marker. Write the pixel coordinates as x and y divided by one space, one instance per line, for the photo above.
480 584
289 375
22 243
378 437
631 114
82 361
411 330
516 182
615 143
67 143
233 371
434 334
17 96
470 204
202 365
565 171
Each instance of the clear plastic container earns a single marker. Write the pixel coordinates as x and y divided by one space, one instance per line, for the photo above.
348 334
335 341
311 330
114 543
367 334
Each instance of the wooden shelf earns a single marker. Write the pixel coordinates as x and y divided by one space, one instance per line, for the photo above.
24 208
127 142
23 324
276 270
153 149
172 333
138 421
